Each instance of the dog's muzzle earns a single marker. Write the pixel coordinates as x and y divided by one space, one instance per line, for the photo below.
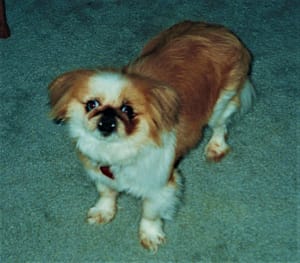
108 122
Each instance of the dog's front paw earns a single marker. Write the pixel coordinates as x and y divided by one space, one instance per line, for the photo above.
99 216
103 212
151 234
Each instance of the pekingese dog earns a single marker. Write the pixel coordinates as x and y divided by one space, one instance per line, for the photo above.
132 126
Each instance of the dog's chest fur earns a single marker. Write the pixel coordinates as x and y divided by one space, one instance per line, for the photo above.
140 172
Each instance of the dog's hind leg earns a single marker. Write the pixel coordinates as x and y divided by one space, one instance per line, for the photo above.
229 102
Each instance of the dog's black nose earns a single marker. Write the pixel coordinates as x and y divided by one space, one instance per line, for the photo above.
107 123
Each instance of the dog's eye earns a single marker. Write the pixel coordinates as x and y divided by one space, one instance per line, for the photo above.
91 104
128 110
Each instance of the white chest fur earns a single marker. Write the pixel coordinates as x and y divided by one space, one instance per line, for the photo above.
140 172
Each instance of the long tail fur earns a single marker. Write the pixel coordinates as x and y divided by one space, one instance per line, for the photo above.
247 97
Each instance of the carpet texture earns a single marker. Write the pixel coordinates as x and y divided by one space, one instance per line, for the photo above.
244 209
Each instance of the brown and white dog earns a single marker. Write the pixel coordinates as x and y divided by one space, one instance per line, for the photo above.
132 126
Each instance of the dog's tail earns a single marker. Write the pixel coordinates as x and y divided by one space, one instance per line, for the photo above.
247 96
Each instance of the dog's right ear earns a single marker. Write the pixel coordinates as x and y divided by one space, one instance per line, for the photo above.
61 90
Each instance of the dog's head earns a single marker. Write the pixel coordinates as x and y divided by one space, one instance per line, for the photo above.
113 107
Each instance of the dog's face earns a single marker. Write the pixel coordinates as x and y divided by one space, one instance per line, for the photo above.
113 108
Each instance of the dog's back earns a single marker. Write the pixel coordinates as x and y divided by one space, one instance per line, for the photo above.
198 60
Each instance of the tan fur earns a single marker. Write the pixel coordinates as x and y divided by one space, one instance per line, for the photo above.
66 87
198 60
163 99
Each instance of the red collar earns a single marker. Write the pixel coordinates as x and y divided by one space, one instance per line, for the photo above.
107 172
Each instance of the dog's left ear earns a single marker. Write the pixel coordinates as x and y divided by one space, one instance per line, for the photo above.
165 107
60 93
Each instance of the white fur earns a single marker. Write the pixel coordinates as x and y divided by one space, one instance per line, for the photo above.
151 233
144 174
164 202
107 151
220 107
109 84
104 210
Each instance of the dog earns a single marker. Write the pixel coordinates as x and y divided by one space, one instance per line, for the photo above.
132 126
